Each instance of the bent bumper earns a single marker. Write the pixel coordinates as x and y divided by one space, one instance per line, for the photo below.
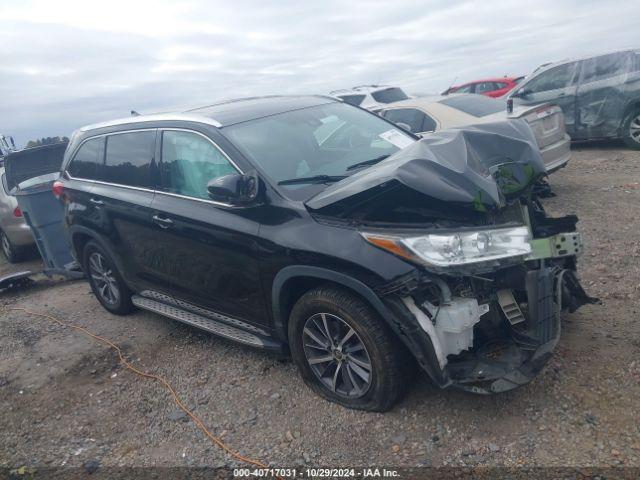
509 360
556 155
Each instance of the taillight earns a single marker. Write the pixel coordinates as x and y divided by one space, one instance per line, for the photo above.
17 212
57 188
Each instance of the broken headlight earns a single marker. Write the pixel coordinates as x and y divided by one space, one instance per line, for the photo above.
456 248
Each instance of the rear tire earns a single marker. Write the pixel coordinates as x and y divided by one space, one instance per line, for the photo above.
12 253
105 280
370 348
631 129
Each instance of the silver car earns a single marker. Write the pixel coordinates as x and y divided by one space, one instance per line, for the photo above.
428 114
15 234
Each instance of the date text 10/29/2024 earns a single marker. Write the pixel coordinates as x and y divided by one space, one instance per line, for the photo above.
315 473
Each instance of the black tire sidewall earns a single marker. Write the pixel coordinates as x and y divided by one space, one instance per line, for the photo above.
378 397
124 305
13 255
626 125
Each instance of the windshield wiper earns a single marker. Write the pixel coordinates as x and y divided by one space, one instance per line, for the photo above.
366 163
314 179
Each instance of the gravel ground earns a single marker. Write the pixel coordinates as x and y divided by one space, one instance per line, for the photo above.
66 400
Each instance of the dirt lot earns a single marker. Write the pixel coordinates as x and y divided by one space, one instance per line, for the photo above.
65 399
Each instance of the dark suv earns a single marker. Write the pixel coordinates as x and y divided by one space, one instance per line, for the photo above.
308 226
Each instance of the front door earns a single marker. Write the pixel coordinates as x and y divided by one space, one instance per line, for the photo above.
206 251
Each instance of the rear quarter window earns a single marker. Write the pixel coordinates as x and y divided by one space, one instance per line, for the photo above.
476 105
128 158
389 95
352 99
88 158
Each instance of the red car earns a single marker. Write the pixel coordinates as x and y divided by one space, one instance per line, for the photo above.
491 87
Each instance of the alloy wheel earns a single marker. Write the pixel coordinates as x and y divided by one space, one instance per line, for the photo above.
634 129
337 355
104 279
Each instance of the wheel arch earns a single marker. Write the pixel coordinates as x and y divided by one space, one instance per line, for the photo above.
80 236
632 106
294 281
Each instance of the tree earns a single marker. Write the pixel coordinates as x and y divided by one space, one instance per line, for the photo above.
45 141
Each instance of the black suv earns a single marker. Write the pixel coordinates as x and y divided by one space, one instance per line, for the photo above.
308 226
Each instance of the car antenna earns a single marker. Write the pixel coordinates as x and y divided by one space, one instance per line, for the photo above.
452 84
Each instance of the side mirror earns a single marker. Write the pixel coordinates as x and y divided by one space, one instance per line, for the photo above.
234 189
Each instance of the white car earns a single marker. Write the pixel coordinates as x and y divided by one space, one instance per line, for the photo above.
429 114
371 97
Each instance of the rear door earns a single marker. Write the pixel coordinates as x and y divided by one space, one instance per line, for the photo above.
602 94
207 252
121 199
557 85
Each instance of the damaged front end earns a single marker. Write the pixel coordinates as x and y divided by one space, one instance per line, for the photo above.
493 331
481 310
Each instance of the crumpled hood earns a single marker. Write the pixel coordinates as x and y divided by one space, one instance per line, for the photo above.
477 167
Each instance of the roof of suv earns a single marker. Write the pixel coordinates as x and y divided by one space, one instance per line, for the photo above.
549 65
228 112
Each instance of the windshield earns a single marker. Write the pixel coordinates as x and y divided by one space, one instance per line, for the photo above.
318 141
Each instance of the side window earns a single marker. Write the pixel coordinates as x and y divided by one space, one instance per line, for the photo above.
352 99
411 117
484 87
88 159
553 79
128 158
189 162
606 66
500 85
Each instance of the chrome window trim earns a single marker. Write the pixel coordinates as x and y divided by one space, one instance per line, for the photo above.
130 187
188 130
155 191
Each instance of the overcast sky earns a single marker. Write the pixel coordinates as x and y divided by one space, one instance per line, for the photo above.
68 63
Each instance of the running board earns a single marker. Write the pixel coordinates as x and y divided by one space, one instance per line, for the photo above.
199 321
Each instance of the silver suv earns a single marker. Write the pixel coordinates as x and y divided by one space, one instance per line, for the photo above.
600 95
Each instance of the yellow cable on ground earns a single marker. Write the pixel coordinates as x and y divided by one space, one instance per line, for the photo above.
152 376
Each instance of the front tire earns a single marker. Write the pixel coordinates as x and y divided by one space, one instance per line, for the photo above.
105 280
345 352
12 253
631 129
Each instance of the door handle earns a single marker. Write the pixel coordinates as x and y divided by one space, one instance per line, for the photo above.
163 222
96 202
